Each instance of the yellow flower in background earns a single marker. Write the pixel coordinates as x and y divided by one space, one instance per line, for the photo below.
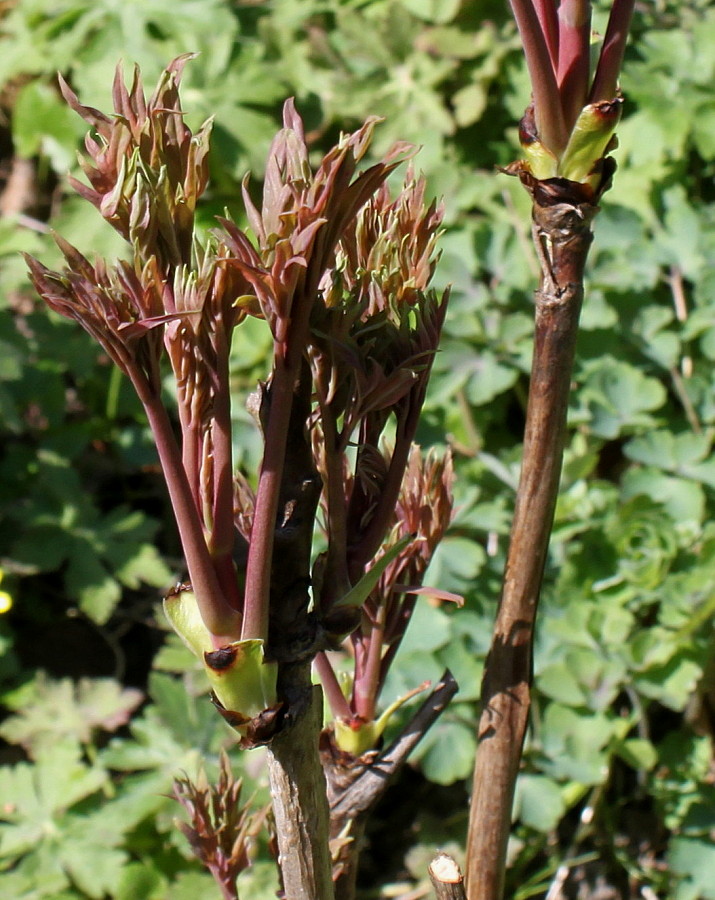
5 598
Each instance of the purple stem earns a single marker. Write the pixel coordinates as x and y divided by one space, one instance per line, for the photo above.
550 124
367 681
190 455
291 337
260 554
549 22
338 704
219 617
573 73
226 883
372 537
222 526
336 581
186 403
605 81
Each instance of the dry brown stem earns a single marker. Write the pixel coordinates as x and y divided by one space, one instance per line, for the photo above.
300 804
446 878
562 237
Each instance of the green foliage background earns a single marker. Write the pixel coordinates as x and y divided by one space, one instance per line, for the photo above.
102 708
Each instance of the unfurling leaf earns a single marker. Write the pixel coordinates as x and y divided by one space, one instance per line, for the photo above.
361 591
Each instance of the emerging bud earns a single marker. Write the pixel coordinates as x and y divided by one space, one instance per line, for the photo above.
149 169
241 679
120 308
220 829
357 736
591 138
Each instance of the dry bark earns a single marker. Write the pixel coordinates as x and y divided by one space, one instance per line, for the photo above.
300 805
562 214
296 776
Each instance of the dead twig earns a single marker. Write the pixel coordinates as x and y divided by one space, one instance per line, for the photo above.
446 878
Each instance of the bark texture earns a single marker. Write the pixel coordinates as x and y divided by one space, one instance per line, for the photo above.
562 217
296 776
298 791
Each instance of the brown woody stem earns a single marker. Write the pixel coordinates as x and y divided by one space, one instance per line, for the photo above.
298 791
562 236
446 878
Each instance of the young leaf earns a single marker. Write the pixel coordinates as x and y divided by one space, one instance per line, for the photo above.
359 593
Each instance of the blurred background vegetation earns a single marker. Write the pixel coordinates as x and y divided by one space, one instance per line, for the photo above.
101 707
